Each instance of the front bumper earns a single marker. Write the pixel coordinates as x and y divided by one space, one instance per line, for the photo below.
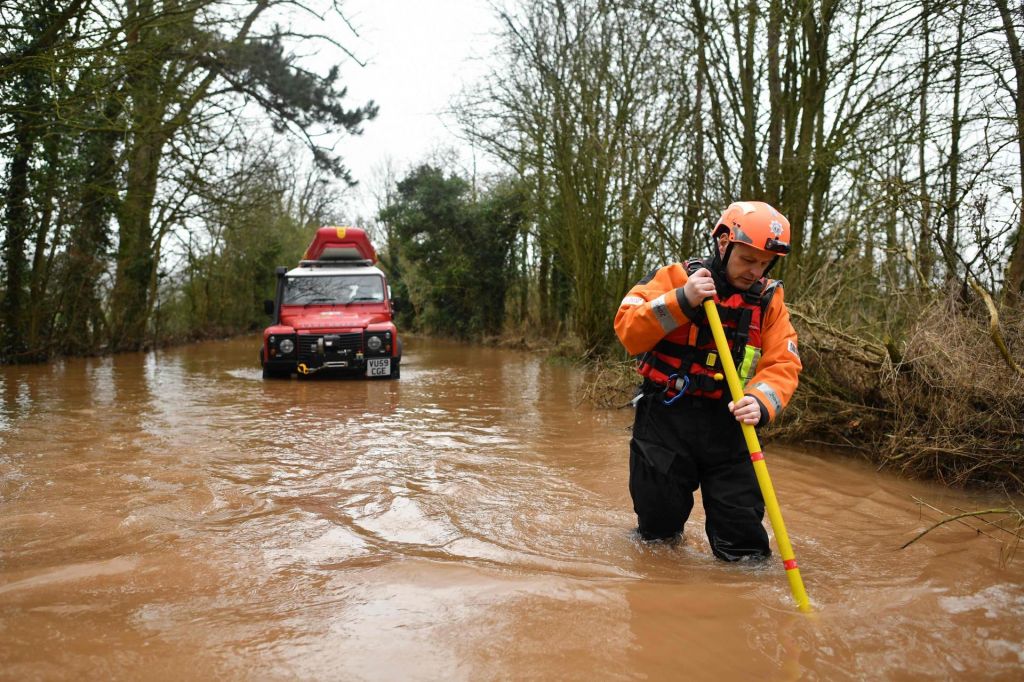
348 352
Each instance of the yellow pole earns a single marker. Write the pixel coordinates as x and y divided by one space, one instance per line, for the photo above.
796 584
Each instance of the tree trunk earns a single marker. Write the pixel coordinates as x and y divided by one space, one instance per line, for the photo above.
1013 289
812 97
39 338
16 217
135 261
925 255
90 237
776 103
951 211
701 30
750 184
693 231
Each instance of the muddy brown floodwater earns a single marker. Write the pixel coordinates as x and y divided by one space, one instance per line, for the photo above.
171 515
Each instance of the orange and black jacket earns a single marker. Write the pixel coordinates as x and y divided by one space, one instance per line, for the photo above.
672 339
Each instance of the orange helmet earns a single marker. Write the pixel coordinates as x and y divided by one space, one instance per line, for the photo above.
757 224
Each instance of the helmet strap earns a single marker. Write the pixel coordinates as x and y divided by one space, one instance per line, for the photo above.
724 259
717 262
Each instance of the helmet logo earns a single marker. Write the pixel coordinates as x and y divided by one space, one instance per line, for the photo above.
776 228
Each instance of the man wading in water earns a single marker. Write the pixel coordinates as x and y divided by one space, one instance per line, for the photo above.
686 432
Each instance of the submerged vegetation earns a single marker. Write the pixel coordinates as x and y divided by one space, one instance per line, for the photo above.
139 205
1005 525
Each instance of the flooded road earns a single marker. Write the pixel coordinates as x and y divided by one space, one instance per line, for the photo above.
173 515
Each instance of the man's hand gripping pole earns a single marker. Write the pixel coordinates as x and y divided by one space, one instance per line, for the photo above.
796 583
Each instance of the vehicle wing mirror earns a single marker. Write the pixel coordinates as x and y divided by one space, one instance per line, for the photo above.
268 307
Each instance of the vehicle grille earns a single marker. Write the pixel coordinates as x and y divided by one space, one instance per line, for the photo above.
308 343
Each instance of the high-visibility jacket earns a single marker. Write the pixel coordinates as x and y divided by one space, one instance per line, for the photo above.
656 323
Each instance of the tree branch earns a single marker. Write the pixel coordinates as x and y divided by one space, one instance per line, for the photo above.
993 326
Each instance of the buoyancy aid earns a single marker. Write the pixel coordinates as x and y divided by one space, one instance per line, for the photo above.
688 356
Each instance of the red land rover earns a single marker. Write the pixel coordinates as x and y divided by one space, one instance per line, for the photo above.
333 312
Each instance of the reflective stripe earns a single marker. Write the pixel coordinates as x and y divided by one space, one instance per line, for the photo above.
756 456
751 356
789 564
769 393
661 311
632 300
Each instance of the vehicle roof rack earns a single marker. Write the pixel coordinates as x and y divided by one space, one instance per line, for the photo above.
333 263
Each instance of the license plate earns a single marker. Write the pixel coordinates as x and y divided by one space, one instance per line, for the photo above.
378 367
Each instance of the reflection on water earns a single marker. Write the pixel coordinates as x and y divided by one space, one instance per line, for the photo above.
172 511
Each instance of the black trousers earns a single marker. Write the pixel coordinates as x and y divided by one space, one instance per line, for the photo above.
694 443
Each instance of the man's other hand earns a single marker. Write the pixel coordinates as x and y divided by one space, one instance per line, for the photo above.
746 410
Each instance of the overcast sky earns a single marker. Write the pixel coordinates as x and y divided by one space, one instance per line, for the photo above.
419 53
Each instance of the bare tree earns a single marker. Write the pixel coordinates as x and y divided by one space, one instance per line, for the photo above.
592 107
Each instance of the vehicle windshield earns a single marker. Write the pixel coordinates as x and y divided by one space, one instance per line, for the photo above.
333 289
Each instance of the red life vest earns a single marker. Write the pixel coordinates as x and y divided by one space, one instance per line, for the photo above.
690 351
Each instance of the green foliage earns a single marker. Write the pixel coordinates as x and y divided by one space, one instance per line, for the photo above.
263 72
251 227
115 123
453 251
221 290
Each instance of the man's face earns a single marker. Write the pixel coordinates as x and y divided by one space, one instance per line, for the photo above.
746 264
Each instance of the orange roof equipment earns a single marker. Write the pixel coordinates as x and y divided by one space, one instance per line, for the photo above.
340 244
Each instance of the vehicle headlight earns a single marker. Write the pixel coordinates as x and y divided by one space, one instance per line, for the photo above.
373 343
287 346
